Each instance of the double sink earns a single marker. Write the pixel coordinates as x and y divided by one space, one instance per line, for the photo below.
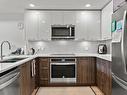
13 60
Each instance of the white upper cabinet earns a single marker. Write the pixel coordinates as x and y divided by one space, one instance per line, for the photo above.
88 25
69 17
31 25
57 17
38 24
63 17
106 21
44 27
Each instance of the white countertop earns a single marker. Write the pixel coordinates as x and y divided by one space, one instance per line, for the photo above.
102 56
6 66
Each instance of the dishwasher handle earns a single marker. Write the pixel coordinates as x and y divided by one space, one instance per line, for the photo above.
9 81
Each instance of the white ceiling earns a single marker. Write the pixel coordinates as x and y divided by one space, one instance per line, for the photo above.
18 6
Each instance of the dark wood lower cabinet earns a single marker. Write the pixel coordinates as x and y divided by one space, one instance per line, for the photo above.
90 71
44 71
27 81
86 71
104 78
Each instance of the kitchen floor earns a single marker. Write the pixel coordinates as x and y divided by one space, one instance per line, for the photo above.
69 91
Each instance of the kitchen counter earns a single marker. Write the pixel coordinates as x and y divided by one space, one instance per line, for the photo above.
102 56
6 66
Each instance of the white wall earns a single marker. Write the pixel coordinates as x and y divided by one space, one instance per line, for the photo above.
65 47
106 21
9 30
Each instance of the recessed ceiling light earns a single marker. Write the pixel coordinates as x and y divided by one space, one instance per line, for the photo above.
31 5
88 5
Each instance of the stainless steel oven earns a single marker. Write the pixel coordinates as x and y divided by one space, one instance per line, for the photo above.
63 70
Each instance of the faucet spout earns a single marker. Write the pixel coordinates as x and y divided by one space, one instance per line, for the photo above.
2 47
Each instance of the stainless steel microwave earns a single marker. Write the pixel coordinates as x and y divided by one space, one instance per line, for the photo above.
63 32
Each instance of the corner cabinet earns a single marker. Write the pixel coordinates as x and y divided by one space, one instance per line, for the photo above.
104 77
86 71
106 21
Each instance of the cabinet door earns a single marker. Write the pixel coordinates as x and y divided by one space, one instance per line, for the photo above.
45 25
25 79
44 71
93 25
106 21
57 17
87 24
31 25
80 28
104 78
69 17
86 71
23 82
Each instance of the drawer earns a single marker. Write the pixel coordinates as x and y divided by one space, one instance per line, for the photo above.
44 81
44 73
44 64
44 68
44 59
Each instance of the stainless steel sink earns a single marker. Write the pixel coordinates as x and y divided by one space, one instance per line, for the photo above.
13 60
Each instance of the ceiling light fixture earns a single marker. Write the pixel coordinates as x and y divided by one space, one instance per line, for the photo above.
31 5
88 5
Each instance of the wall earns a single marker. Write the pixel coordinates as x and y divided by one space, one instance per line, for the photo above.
65 47
9 30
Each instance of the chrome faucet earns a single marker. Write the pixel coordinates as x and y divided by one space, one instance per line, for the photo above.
2 48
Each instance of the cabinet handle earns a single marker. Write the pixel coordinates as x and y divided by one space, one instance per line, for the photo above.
33 68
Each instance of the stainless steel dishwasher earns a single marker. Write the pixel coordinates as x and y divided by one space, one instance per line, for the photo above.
9 82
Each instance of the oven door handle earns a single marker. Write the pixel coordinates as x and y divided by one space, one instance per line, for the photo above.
63 63
9 81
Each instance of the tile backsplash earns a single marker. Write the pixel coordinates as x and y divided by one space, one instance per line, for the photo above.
66 47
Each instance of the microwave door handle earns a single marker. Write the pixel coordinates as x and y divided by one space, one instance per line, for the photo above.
122 41
70 31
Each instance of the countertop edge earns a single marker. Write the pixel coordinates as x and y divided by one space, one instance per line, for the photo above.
5 68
